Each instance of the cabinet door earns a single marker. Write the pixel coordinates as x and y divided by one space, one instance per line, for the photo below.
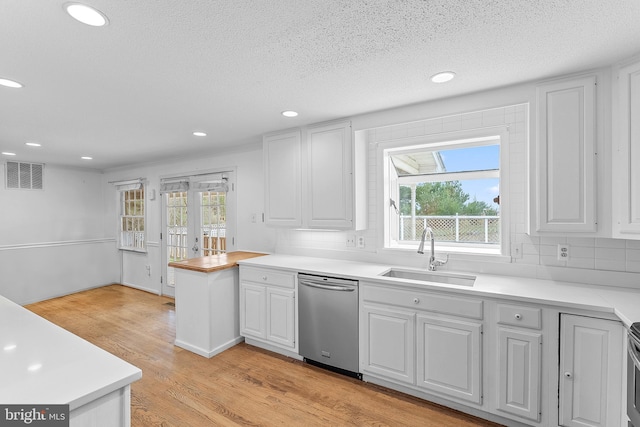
330 192
591 363
627 158
282 176
449 357
519 372
565 156
253 310
281 317
388 343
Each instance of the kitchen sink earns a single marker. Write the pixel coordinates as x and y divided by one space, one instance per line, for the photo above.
429 276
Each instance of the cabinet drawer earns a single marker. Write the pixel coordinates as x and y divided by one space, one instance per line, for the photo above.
268 276
518 315
419 300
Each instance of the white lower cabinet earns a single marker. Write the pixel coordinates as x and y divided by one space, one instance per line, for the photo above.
388 336
280 316
267 306
519 367
429 342
591 361
449 357
253 305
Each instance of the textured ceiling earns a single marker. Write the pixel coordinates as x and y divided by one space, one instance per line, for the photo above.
135 90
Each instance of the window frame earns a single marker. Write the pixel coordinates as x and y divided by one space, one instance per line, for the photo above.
446 140
122 188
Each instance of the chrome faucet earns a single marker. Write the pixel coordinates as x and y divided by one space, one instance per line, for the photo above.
433 262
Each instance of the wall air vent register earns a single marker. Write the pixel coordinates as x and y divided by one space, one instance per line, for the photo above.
25 176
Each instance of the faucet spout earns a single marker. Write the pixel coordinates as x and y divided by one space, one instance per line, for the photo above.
433 262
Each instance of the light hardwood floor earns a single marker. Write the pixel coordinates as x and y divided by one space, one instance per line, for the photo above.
241 386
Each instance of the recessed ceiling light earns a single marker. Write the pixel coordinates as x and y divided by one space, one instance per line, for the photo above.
33 144
10 83
35 367
6 153
443 77
289 113
200 133
86 158
86 14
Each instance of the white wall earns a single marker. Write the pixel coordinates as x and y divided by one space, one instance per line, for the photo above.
247 162
55 241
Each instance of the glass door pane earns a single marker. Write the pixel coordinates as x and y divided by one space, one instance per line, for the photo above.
177 236
213 222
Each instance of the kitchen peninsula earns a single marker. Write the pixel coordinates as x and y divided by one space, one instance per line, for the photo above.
206 298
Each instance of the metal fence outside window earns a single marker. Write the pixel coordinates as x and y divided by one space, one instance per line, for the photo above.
452 228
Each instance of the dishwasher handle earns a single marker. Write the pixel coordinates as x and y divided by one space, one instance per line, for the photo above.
325 286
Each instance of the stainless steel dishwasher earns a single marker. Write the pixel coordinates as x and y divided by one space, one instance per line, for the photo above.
328 322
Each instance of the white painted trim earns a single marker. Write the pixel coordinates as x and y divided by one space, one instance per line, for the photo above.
142 288
54 244
274 348
209 353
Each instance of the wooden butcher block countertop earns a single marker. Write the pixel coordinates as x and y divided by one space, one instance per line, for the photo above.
211 263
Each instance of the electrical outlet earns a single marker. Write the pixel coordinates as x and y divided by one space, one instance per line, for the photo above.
351 241
516 250
360 240
563 252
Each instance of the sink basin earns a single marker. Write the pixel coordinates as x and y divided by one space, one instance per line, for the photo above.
429 276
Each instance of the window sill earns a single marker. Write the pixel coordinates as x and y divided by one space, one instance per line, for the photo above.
471 254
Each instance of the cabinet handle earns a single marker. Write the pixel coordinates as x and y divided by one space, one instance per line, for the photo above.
518 316
416 300
568 375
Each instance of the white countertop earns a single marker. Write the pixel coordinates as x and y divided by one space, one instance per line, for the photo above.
72 371
622 302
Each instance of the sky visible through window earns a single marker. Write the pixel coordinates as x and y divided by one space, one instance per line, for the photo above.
475 158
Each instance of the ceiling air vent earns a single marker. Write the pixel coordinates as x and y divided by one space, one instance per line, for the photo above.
26 176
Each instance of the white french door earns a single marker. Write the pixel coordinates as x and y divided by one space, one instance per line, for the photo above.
198 220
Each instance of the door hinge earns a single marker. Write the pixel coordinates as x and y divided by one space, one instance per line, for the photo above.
161 280
160 236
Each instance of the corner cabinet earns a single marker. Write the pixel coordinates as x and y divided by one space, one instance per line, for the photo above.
591 360
315 177
565 157
268 308
626 130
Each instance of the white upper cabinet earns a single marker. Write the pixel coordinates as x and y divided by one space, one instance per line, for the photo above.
626 173
330 177
282 165
315 177
565 157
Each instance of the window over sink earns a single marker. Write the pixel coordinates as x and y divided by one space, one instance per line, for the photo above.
449 183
